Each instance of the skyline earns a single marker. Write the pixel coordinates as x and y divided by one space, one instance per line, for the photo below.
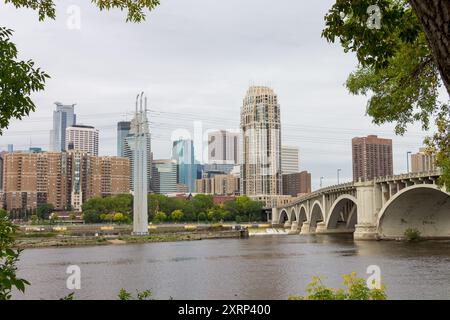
303 68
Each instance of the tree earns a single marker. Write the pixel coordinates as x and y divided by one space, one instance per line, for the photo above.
160 217
355 289
8 259
177 215
19 79
216 214
403 55
43 211
53 217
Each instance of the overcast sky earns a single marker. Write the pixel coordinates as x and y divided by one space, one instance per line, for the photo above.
195 60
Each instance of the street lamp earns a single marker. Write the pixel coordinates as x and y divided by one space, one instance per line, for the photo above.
407 160
338 171
321 181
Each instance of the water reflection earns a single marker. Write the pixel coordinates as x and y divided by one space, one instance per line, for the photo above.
264 267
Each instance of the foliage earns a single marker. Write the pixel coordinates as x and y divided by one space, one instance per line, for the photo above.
8 259
177 215
355 289
439 145
34 219
199 208
412 234
96 210
43 211
18 80
69 297
396 68
143 295
160 217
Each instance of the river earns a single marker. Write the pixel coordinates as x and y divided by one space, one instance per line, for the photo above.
261 267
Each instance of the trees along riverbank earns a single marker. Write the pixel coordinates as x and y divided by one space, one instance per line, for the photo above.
200 208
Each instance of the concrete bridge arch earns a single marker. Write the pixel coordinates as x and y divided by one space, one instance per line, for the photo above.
424 207
342 214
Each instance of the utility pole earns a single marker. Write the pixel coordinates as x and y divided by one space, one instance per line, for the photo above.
338 171
321 182
407 159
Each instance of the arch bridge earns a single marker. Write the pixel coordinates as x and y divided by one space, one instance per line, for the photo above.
383 208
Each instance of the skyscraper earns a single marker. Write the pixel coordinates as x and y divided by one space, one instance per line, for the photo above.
422 161
61 178
126 150
298 183
82 138
164 176
290 162
64 116
261 134
123 130
223 147
183 154
372 158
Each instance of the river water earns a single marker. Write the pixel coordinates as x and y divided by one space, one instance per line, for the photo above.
261 267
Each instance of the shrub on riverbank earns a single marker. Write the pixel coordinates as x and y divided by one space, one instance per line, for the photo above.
8 259
355 289
412 234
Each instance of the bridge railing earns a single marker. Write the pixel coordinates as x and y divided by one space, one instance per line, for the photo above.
349 185
406 176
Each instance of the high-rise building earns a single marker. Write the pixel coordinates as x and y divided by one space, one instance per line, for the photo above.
372 158
127 152
290 162
82 138
423 161
123 131
63 117
261 134
1 170
219 185
183 154
223 147
295 184
164 176
64 179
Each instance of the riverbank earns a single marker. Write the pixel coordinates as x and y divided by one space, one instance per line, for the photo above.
65 238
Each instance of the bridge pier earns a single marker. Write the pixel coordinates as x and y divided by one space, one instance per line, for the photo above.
305 228
294 228
321 227
366 232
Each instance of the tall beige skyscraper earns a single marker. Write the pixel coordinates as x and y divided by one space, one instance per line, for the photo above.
261 143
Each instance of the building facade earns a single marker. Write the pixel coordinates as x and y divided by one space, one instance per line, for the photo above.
290 159
423 161
164 176
295 184
127 152
183 154
372 158
223 147
226 185
261 145
63 117
82 138
64 179
123 131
